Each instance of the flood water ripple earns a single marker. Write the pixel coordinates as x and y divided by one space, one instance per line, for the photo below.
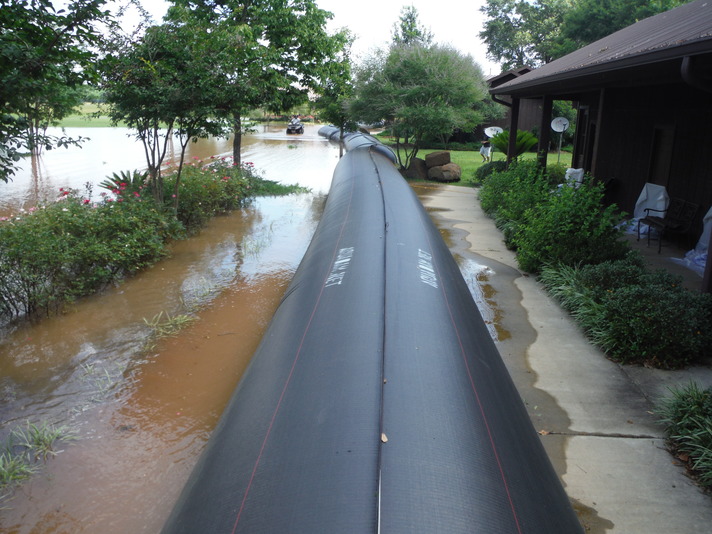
143 407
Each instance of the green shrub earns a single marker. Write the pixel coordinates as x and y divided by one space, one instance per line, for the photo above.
74 247
208 190
556 173
524 142
529 187
570 227
665 327
687 417
483 172
71 248
499 183
614 274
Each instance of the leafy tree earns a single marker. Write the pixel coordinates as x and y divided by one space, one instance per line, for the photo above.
531 33
45 54
523 32
408 30
164 84
421 91
337 90
590 20
276 52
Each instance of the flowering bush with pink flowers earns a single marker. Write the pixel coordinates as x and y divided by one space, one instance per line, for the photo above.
74 247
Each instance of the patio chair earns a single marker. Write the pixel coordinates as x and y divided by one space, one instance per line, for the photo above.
677 219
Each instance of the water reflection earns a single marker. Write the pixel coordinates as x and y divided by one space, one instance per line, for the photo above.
143 411
288 159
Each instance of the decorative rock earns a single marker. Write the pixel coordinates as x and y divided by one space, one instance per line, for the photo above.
437 159
454 170
417 169
450 172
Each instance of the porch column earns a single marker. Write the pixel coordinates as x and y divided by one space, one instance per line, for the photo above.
544 130
513 125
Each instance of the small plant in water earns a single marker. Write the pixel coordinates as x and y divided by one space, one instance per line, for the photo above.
25 446
14 469
39 440
163 325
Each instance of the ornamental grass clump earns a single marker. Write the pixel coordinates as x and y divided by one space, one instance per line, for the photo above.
686 415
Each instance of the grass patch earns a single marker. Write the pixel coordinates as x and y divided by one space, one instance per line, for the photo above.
86 118
25 447
471 160
686 415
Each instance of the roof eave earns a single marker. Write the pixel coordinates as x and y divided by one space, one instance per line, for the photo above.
540 85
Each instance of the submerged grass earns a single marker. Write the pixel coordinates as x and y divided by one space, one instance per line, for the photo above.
164 325
25 447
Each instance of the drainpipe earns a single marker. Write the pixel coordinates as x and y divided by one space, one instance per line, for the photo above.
500 101
690 77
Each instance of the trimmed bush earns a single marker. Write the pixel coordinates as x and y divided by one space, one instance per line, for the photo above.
634 315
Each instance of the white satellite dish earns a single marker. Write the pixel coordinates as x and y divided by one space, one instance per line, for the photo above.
560 124
492 131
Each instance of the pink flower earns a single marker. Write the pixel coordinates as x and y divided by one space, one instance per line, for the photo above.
85 201
136 194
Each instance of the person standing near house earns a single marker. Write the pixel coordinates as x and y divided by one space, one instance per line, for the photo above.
485 150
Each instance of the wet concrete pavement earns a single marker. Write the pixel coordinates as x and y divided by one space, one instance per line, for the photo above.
593 415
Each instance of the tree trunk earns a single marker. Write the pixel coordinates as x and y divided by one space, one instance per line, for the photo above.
237 140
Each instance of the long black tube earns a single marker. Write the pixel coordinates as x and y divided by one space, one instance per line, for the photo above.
377 401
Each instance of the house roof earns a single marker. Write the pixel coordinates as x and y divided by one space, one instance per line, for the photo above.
626 56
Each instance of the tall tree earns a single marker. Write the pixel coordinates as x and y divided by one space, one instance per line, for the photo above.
421 91
45 53
523 32
337 90
409 31
279 51
530 33
590 20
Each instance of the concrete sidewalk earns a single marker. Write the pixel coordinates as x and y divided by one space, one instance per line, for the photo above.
594 415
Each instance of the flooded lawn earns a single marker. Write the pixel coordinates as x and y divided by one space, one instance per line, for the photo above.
141 407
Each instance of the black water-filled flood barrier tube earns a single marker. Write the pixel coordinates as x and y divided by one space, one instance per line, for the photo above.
377 401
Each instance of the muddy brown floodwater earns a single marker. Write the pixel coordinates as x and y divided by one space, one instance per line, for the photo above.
142 408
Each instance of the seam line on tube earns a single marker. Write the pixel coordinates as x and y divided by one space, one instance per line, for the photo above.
383 346
473 387
294 364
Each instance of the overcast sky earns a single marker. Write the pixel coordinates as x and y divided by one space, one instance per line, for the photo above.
454 22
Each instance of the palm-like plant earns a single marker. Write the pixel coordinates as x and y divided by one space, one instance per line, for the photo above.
525 141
